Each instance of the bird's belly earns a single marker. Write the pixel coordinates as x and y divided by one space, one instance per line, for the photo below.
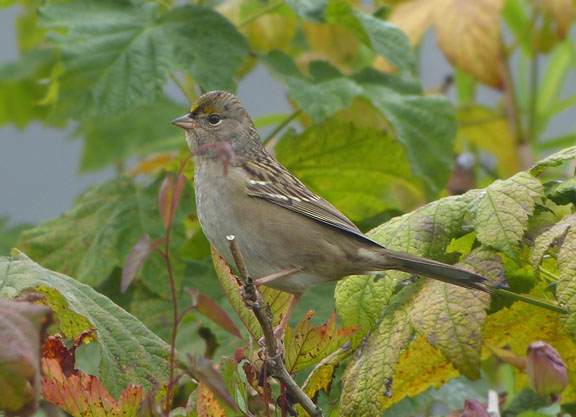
271 238
267 241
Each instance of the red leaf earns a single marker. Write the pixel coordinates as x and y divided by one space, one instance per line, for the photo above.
78 393
169 197
136 258
164 199
82 394
53 348
213 311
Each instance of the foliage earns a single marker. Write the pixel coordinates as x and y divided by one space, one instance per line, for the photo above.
129 268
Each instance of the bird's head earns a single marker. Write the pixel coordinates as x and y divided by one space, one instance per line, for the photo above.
218 117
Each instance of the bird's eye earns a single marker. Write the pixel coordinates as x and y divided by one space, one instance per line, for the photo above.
214 119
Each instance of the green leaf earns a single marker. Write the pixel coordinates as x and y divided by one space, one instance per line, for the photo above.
131 354
360 170
21 89
554 160
550 237
566 290
122 56
312 10
7 3
562 192
97 235
235 379
141 131
319 98
502 211
419 122
553 80
484 261
452 319
424 232
9 234
368 377
385 38
307 345
360 300
207 45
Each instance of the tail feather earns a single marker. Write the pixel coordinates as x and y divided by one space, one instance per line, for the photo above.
437 270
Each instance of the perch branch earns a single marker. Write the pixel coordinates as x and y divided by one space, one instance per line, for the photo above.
256 303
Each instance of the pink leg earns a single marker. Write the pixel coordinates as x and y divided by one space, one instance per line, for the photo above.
272 277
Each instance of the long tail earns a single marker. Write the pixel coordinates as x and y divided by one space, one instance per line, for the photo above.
437 270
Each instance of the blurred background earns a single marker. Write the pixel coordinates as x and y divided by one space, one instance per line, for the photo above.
39 166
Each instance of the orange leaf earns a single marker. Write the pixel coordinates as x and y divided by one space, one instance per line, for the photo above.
152 164
78 393
306 345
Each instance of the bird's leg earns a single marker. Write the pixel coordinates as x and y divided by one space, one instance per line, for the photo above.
274 276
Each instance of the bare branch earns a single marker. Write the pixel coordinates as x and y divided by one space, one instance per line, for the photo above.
254 301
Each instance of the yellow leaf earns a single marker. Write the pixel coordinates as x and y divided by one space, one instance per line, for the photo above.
414 18
419 368
278 300
152 164
518 326
561 11
469 35
452 318
208 405
371 373
270 32
566 290
331 42
320 379
489 131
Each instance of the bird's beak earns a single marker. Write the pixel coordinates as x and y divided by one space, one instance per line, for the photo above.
185 122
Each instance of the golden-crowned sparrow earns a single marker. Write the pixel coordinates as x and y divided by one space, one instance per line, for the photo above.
291 238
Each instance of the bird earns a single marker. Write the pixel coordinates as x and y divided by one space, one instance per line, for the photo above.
291 239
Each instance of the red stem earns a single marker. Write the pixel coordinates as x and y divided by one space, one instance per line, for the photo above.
176 317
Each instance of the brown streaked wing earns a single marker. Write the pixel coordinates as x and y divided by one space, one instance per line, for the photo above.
269 180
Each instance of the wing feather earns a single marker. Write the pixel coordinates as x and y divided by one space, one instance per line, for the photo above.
269 180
